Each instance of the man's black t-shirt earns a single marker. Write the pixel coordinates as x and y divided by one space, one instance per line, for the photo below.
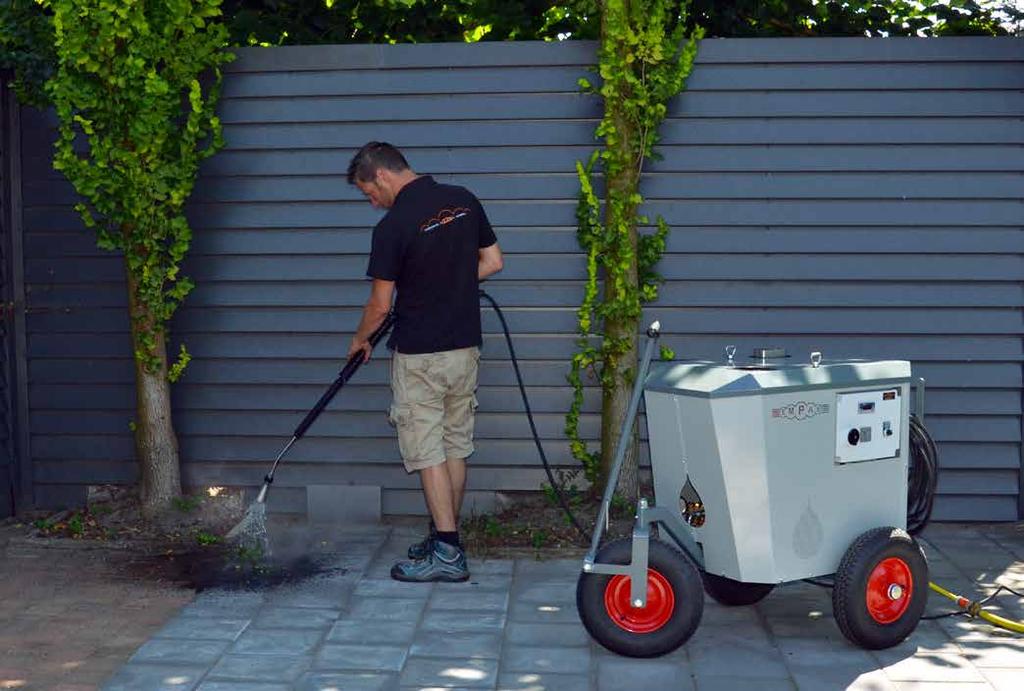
428 243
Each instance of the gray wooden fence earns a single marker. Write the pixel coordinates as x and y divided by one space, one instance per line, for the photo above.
859 197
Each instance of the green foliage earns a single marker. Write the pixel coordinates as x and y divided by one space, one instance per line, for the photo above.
303 22
185 504
178 368
26 48
620 506
493 527
75 525
643 62
298 22
754 18
135 123
205 538
539 537
564 480
44 525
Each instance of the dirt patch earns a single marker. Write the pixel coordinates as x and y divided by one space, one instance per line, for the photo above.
185 546
535 523
114 515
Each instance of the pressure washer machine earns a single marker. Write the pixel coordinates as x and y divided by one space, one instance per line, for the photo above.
764 473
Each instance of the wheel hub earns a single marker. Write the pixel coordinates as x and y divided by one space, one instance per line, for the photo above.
889 590
621 608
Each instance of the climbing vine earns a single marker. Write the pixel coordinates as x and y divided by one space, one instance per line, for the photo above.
643 61
127 88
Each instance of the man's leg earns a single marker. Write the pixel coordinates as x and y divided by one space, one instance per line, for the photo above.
445 561
457 474
437 486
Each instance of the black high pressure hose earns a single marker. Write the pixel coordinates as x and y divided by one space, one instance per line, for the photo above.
529 416
923 476
923 464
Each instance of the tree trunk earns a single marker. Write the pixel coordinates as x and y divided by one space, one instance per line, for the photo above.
621 184
614 406
156 445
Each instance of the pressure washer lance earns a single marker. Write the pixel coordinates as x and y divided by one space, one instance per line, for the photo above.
251 531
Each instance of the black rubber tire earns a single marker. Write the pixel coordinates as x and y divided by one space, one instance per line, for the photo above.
849 596
734 593
682 576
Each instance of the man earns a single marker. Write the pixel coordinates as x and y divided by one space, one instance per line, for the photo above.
434 246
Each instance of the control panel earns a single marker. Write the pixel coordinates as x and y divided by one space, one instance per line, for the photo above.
868 425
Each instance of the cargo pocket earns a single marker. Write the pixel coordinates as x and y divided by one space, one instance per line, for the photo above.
400 417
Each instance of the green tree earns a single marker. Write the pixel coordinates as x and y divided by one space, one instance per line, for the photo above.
643 62
296 22
26 48
135 122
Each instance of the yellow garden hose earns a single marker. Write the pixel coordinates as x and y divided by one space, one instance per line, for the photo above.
974 609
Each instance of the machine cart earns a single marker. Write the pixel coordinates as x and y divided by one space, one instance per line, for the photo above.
764 473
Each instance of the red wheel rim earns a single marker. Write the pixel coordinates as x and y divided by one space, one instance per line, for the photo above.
661 602
890 587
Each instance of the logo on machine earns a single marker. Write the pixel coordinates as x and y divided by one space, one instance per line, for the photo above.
801 410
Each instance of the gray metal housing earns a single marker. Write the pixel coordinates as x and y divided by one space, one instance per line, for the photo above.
779 506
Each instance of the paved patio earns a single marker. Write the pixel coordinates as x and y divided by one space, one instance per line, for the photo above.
514 626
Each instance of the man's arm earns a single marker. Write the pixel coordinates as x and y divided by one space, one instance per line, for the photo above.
490 261
377 307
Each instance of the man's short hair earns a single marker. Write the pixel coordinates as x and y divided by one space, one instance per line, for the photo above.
372 157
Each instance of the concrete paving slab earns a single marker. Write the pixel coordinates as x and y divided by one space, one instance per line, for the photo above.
453 622
262 668
515 658
200 628
940 686
544 612
387 609
243 686
616 673
478 583
1003 679
277 642
355 681
1002 654
325 595
359 631
371 658
716 651
730 683
849 679
545 591
381 587
468 644
272 617
933 667
485 601
170 650
532 681
523 633
448 673
136 677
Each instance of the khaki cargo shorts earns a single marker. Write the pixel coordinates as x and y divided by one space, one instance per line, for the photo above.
433 405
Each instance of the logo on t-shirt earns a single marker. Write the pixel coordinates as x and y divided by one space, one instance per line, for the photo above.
443 217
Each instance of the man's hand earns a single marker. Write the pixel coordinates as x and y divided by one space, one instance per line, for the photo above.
374 312
360 345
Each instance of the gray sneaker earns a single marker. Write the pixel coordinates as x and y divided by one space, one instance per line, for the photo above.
421 549
444 562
